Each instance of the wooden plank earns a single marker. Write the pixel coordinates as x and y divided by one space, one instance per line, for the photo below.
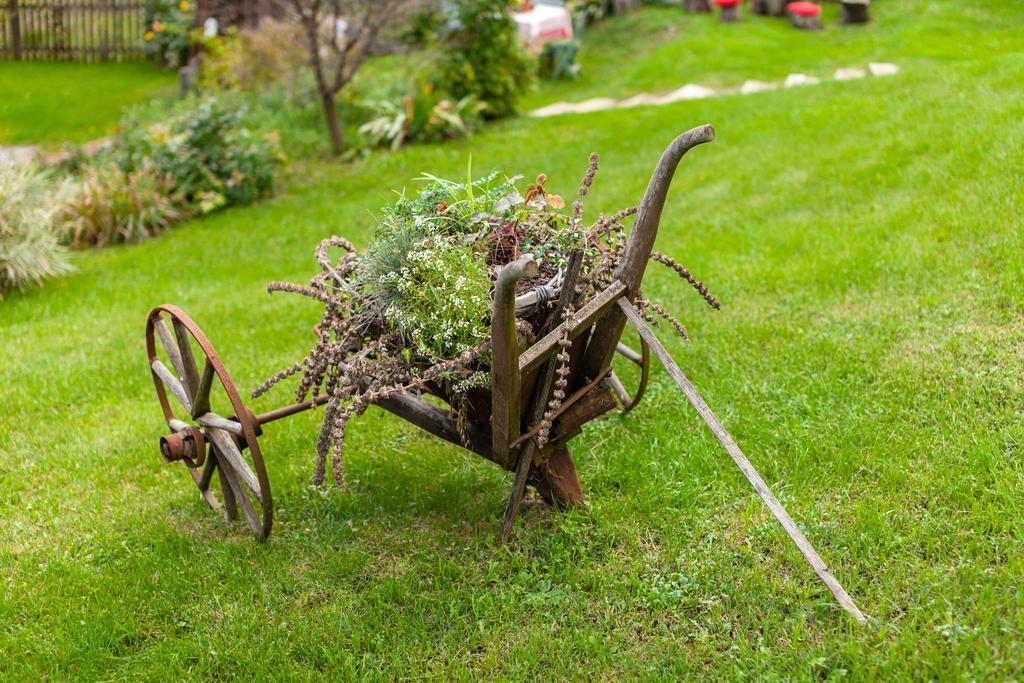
14 19
765 493
566 404
581 322
172 384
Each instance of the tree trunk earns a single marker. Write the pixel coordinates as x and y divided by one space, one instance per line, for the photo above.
855 13
333 125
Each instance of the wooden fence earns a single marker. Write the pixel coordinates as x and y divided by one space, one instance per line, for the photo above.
71 30
99 30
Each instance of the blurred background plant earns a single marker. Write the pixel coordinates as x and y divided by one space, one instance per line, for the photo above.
212 159
108 205
253 58
479 54
168 25
423 116
30 206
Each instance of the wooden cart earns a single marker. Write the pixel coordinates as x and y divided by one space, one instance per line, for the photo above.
501 424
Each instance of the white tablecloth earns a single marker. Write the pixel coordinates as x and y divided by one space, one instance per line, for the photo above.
543 24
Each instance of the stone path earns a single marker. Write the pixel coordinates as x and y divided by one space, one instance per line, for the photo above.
691 91
27 154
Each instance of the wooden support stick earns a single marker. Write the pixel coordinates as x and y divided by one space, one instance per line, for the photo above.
766 495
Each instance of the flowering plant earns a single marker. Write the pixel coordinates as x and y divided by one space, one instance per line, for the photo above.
167 31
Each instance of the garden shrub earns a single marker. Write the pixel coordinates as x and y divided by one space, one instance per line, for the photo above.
109 205
253 59
479 54
30 203
423 116
212 160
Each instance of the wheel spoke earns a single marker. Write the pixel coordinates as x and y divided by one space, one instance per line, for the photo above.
229 455
242 499
172 384
215 420
190 374
170 345
619 389
227 488
201 397
629 354
204 479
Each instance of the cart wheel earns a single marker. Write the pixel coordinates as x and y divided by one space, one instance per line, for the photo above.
194 422
642 359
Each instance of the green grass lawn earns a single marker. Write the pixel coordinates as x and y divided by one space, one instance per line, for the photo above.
53 103
865 239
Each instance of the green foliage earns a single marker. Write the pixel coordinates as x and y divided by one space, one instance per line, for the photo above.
426 270
586 12
421 26
168 23
30 203
423 116
211 158
480 55
253 59
109 205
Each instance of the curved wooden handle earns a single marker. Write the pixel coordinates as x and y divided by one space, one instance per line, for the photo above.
645 229
638 249
505 378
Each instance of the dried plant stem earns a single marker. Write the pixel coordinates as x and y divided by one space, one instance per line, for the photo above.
686 275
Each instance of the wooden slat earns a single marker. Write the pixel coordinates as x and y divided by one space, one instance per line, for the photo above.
172 384
581 322
765 493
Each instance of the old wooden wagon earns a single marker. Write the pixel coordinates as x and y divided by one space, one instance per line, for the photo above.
503 420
